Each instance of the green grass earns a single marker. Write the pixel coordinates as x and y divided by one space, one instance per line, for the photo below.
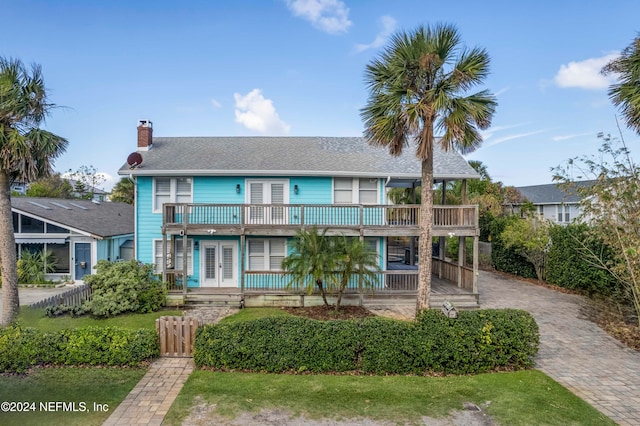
88 385
249 314
518 398
36 318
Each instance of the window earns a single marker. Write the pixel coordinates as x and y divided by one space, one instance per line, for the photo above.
342 189
54 229
266 255
171 190
355 191
29 225
541 210
60 253
564 213
157 255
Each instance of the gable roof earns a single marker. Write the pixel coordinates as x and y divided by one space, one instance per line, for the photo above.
293 156
97 219
552 193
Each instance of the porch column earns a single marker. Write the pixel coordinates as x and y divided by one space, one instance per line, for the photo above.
242 250
442 240
360 283
412 240
164 257
461 252
185 263
476 248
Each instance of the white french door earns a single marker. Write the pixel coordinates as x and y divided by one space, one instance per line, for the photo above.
219 261
271 193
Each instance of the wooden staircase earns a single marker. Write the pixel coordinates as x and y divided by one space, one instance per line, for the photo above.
204 297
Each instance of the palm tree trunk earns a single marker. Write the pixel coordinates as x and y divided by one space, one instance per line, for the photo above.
324 297
10 300
426 218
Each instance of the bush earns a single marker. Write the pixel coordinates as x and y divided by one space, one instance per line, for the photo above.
21 348
477 341
124 287
32 266
568 266
503 258
74 310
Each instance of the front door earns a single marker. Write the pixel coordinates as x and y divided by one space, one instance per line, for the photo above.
82 260
219 264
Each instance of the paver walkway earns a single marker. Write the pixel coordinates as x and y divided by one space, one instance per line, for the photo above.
573 350
151 398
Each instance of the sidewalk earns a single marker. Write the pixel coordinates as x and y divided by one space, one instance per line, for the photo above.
150 400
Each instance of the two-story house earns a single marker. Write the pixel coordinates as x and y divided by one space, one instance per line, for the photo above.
235 203
555 202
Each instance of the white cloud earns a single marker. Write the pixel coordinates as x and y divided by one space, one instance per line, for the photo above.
257 113
501 91
565 137
330 16
585 74
511 137
488 134
216 104
388 27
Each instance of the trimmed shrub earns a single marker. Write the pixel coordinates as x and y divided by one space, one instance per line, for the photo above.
477 341
124 287
21 348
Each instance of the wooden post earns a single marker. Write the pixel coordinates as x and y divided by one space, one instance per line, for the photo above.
242 254
185 263
412 243
476 247
164 256
461 243
442 240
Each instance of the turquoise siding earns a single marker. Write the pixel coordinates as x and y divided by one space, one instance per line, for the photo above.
222 190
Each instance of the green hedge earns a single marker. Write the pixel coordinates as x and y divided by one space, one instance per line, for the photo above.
21 348
569 266
476 341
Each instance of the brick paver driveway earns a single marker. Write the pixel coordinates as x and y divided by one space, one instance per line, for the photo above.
573 350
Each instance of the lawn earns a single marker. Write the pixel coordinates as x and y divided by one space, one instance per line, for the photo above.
516 398
104 386
36 318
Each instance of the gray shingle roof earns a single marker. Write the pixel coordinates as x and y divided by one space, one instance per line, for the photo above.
294 156
102 220
551 193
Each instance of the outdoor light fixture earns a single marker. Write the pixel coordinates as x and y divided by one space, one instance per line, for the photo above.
295 189
237 188
196 245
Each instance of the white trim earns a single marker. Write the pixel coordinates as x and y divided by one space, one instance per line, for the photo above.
266 260
355 190
158 268
219 245
173 191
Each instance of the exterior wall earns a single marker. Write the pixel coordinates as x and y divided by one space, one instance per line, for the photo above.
223 190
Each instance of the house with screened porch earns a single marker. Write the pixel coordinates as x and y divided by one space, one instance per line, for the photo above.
216 216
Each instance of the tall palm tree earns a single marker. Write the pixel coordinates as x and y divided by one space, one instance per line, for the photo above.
26 154
625 94
418 86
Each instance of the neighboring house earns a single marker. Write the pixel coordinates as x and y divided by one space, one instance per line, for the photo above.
236 202
19 187
77 232
554 202
98 194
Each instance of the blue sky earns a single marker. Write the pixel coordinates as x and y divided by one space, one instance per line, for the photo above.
296 67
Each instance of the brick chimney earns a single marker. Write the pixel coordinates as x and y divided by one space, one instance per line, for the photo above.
145 135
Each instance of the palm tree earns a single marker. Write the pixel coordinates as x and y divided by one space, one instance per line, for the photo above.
626 93
123 191
26 154
311 262
355 259
418 86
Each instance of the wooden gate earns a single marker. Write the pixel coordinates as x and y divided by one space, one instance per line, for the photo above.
177 335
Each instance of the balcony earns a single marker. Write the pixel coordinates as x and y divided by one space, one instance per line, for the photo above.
287 219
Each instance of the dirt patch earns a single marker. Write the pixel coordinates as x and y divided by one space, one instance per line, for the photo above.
325 313
619 322
205 414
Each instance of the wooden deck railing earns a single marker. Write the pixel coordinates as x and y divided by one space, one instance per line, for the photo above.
298 215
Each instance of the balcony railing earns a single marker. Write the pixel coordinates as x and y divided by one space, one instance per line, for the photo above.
299 215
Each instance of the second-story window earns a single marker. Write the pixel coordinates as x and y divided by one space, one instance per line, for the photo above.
355 191
171 190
